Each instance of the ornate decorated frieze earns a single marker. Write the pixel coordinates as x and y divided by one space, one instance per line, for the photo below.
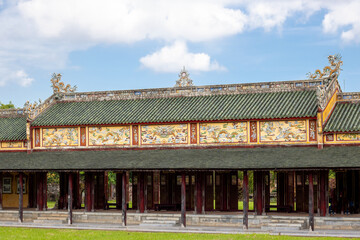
101 136
164 134
229 132
193 133
12 145
60 137
312 130
253 132
283 131
347 137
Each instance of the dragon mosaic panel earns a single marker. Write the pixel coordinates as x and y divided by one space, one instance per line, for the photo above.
100 136
164 134
12 144
60 137
283 131
235 132
348 137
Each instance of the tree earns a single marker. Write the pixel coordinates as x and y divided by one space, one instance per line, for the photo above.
6 106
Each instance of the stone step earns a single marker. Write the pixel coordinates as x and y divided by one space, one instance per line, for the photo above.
285 221
42 221
159 222
51 218
283 226
162 218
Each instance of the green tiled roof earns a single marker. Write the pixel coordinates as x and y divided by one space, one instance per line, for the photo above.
13 128
345 118
189 159
175 109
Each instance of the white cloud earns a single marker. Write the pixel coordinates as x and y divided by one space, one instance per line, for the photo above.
41 34
174 57
19 77
344 16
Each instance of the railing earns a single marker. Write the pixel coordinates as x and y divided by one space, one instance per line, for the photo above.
192 91
348 96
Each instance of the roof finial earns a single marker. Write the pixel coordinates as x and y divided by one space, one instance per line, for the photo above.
329 72
184 80
58 86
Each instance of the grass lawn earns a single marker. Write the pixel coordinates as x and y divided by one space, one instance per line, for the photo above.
63 234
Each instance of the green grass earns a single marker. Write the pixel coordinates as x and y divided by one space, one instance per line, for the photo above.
63 234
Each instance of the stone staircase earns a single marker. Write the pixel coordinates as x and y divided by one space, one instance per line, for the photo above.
51 218
160 221
281 224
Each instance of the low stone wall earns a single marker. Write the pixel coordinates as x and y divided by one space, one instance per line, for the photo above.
224 220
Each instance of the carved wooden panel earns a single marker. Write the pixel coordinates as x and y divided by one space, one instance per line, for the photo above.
193 133
135 135
312 130
37 137
83 136
253 131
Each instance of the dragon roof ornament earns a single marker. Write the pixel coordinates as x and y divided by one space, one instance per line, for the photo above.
329 76
184 80
329 72
31 109
58 86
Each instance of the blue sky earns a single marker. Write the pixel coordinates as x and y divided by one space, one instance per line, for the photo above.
114 45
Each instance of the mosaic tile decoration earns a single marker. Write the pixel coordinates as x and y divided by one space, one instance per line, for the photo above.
230 132
100 136
60 137
164 134
283 131
11 144
348 137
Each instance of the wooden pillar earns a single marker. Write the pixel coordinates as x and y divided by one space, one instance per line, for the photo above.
246 200
70 198
119 194
21 219
203 186
322 193
199 200
92 192
311 202
123 196
145 192
183 200
44 193
141 192
1 189
88 203
259 192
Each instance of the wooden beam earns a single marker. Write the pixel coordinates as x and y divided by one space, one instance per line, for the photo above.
70 198
199 201
311 202
124 206
21 217
183 200
1 189
118 190
246 200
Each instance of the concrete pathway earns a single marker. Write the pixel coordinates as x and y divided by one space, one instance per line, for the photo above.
190 229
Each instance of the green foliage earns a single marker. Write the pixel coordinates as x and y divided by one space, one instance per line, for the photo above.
6 106
53 177
112 177
332 174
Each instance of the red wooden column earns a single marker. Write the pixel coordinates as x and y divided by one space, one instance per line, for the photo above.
311 202
199 196
119 178
183 200
40 191
1 189
70 198
21 219
123 196
246 200
259 192
141 200
92 185
44 183
88 202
